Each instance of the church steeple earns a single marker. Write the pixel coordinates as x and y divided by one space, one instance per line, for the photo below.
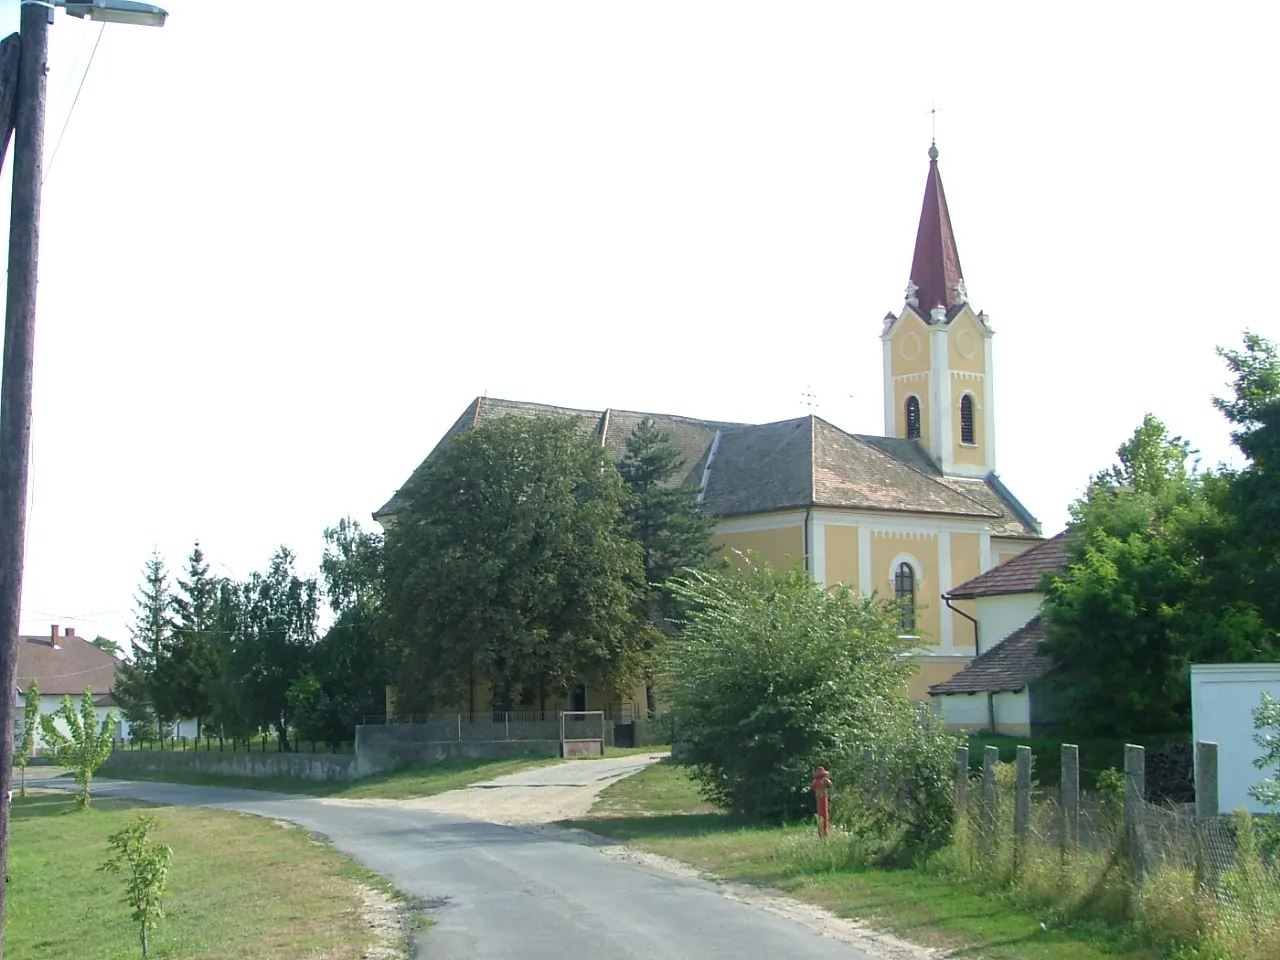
937 352
935 269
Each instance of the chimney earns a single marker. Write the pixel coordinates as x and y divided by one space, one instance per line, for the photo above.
70 631
53 639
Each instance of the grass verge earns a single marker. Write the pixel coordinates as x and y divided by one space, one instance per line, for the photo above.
398 785
660 810
240 887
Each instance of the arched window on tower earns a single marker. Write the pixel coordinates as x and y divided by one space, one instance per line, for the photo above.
966 419
904 589
913 418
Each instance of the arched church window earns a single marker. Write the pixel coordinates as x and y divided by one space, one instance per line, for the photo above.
904 588
913 418
966 419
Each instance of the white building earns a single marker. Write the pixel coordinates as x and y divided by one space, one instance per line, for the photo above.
63 664
1223 698
999 690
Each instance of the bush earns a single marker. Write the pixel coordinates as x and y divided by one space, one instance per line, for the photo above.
774 676
904 794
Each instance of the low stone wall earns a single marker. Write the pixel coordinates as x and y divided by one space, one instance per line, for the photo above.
383 747
300 766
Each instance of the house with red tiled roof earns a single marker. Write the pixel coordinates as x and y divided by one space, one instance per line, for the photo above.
62 664
911 514
1001 689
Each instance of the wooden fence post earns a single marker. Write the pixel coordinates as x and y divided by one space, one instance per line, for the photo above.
1022 805
1206 812
1206 781
962 784
1135 798
990 757
1069 800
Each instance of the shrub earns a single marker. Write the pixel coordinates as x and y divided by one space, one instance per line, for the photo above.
147 866
905 793
774 676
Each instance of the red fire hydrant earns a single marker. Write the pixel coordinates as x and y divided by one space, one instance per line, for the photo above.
821 784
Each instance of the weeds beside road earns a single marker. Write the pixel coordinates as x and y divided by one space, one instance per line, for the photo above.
661 811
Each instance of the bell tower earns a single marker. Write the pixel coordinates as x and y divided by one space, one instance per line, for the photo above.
937 351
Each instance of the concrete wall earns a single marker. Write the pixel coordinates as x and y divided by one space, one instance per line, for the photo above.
383 747
1223 698
301 766
964 712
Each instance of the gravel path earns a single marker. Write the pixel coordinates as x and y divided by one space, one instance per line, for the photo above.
563 791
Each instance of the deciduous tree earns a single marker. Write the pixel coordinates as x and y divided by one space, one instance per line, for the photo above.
87 744
30 725
146 866
513 563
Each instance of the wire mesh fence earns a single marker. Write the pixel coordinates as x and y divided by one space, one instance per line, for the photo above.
1112 853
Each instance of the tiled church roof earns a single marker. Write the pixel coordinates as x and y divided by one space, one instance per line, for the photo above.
757 468
1019 575
1005 668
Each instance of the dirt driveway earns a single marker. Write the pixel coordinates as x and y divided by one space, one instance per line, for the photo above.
564 791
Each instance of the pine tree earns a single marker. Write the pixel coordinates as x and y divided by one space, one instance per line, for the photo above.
186 669
136 688
664 518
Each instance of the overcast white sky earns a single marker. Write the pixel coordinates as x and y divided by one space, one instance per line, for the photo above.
284 245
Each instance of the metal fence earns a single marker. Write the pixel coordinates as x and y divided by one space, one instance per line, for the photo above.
1113 843
497 726
262 743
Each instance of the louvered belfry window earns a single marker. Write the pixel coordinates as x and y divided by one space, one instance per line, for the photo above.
913 418
966 419
904 588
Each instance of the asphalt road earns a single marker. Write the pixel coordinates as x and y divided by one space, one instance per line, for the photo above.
501 893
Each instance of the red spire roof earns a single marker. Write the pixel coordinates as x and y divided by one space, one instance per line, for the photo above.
935 268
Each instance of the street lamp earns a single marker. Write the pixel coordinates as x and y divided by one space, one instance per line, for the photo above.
23 65
115 11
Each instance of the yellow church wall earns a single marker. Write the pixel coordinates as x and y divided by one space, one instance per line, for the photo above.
911 345
921 550
842 555
1002 551
931 670
965 344
974 454
966 563
917 386
782 547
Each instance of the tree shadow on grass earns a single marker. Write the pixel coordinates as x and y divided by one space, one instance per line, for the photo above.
657 827
37 805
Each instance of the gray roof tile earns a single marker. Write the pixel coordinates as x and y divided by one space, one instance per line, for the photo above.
759 468
1005 668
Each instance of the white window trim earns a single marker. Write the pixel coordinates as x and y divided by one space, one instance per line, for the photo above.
918 581
976 408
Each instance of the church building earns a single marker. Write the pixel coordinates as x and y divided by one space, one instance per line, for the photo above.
910 514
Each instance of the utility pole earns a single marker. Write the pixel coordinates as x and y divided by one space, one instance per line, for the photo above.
16 377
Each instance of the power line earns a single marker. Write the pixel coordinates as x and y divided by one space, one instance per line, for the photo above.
87 67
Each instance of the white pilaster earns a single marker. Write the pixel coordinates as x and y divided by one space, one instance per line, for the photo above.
890 405
818 551
989 406
947 642
864 561
940 397
985 560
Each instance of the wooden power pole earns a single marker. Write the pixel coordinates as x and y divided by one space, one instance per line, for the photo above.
25 114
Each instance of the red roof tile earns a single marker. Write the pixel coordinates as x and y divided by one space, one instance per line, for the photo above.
935 268
1006 668
65 670
1019 575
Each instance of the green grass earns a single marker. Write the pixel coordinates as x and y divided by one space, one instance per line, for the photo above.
399 785
633 751
240 887
661 810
